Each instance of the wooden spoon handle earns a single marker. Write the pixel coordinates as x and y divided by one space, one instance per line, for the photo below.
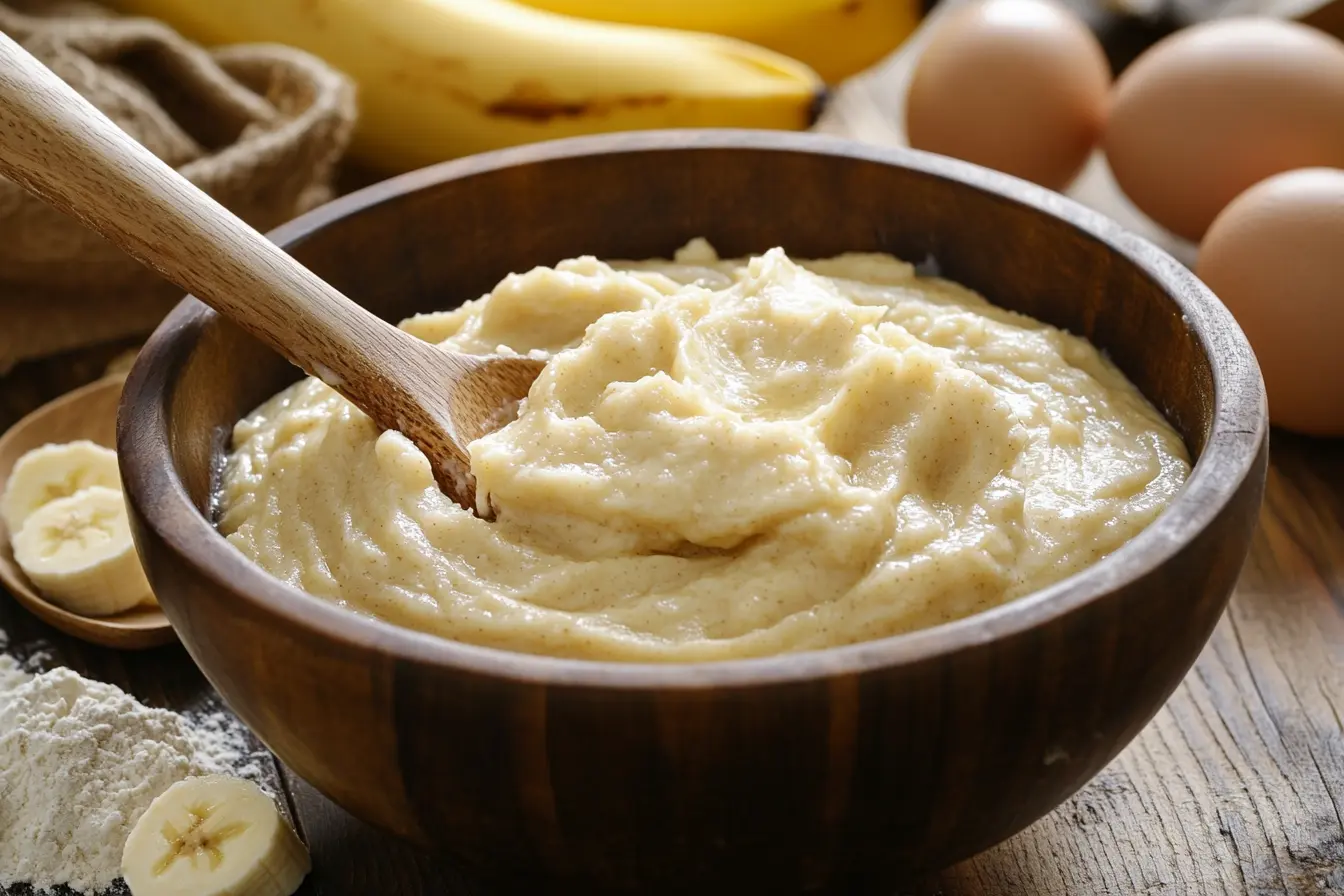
56 144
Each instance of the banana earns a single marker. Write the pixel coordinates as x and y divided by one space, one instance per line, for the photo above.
55 471
837 38
213 835
438 79
78 551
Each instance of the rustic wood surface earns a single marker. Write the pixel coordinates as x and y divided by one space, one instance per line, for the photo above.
1236 787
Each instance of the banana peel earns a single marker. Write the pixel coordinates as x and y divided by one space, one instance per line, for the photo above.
439 79
837 38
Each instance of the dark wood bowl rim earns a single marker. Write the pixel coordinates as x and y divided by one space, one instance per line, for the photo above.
1239 428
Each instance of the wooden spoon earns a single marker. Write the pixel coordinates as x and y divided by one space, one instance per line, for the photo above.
59 147
89 413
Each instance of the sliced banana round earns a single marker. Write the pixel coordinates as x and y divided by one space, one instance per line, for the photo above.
213 835
79 553
55 471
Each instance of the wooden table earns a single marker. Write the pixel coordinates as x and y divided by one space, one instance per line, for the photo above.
1236 787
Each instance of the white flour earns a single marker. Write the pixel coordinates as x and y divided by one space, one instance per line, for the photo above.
11 676
80 761
223 739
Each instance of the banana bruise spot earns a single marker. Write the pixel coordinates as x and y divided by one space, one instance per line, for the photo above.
530 101
533 101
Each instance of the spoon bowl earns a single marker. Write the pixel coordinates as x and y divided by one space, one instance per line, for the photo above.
89 412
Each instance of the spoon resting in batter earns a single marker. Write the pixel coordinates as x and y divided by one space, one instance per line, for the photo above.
58 146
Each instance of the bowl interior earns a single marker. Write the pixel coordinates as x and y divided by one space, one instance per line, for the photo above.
434 238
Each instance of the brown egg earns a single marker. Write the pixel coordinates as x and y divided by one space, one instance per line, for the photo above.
1275 256
1015 85
1215 108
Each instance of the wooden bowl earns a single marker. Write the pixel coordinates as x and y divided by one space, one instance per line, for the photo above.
839 768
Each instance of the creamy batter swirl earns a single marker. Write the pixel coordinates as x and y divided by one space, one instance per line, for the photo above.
720 459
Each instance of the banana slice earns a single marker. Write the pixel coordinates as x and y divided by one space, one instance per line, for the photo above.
78 552
213 836
55 471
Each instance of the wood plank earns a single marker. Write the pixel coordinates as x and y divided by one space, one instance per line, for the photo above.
349 857
1237 786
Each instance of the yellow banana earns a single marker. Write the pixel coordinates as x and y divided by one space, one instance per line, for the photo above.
439 79
838 38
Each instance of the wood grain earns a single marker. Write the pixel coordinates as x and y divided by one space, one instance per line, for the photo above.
1237 786
89 412
62 148
1152 822
998 716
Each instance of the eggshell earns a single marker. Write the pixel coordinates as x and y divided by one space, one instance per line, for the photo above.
1020 86
1217 107
1275 256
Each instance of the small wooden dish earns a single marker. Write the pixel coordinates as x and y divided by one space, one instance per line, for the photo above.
90 413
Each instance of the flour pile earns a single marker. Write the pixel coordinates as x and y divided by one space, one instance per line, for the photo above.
80 761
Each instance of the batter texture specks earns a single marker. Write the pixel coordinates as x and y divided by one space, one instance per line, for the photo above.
721 459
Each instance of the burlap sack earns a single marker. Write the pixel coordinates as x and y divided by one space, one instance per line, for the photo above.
258 127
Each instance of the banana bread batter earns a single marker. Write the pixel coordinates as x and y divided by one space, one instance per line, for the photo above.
721 459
